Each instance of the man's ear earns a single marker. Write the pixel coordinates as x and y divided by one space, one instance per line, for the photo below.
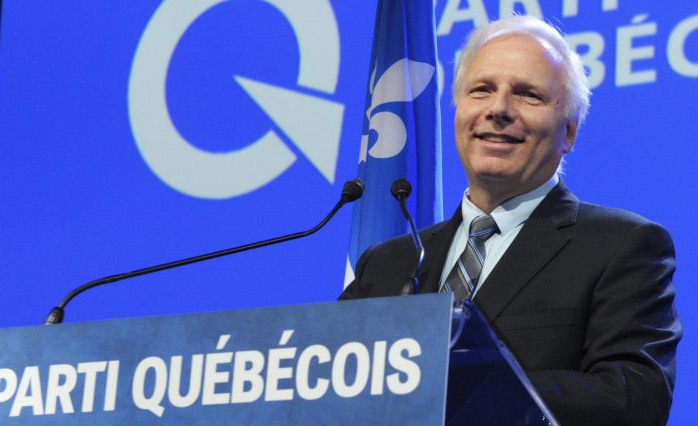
570 136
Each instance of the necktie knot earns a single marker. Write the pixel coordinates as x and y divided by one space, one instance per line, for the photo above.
483 227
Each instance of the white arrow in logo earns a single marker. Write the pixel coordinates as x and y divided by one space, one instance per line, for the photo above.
312 124
305 119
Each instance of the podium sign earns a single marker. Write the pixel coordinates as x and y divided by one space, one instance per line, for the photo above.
365 361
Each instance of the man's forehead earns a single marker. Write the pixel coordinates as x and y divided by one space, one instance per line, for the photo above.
505 53
513 34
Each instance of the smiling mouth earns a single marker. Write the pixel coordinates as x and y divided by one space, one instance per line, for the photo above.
498 138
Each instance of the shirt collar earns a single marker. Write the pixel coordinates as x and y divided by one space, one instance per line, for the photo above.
512 212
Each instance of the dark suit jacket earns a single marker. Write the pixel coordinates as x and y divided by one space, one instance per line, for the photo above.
582 297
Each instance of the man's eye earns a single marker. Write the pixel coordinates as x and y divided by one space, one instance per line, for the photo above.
480 89
531 95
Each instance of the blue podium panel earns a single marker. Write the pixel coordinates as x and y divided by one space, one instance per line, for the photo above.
354 362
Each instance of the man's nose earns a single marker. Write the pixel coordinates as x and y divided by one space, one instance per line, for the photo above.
500 109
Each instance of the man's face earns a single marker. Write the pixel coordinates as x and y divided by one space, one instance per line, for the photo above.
511 131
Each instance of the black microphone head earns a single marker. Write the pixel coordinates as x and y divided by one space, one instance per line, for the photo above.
352 190
401 189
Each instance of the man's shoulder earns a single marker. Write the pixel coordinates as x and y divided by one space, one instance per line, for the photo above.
589 216
611 218
609 225
404 242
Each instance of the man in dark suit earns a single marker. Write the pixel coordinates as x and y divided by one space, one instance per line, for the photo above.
581 294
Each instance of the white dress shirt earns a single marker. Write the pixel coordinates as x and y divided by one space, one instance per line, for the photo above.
509 216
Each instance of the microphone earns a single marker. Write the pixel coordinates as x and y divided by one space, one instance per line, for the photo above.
351 191
401 189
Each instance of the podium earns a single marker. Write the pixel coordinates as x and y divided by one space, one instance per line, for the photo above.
486 385
399 360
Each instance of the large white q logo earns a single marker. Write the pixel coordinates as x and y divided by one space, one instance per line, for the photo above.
313 124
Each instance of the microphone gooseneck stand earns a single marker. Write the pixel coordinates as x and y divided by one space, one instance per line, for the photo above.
351 191
401 189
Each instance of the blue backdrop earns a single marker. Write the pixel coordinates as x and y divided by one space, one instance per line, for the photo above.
136 134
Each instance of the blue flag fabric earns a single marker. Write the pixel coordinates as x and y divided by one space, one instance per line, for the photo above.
401 134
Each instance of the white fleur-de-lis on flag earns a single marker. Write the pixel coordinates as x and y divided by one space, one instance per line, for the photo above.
404 81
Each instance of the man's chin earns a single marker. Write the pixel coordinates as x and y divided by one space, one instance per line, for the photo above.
496 175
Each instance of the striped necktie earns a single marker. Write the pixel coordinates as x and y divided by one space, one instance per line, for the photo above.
463 278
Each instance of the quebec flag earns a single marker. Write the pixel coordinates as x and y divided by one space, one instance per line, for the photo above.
401 134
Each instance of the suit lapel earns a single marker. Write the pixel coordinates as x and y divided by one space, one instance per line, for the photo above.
540 240
437 242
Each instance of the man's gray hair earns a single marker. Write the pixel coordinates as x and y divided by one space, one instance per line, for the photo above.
576 83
